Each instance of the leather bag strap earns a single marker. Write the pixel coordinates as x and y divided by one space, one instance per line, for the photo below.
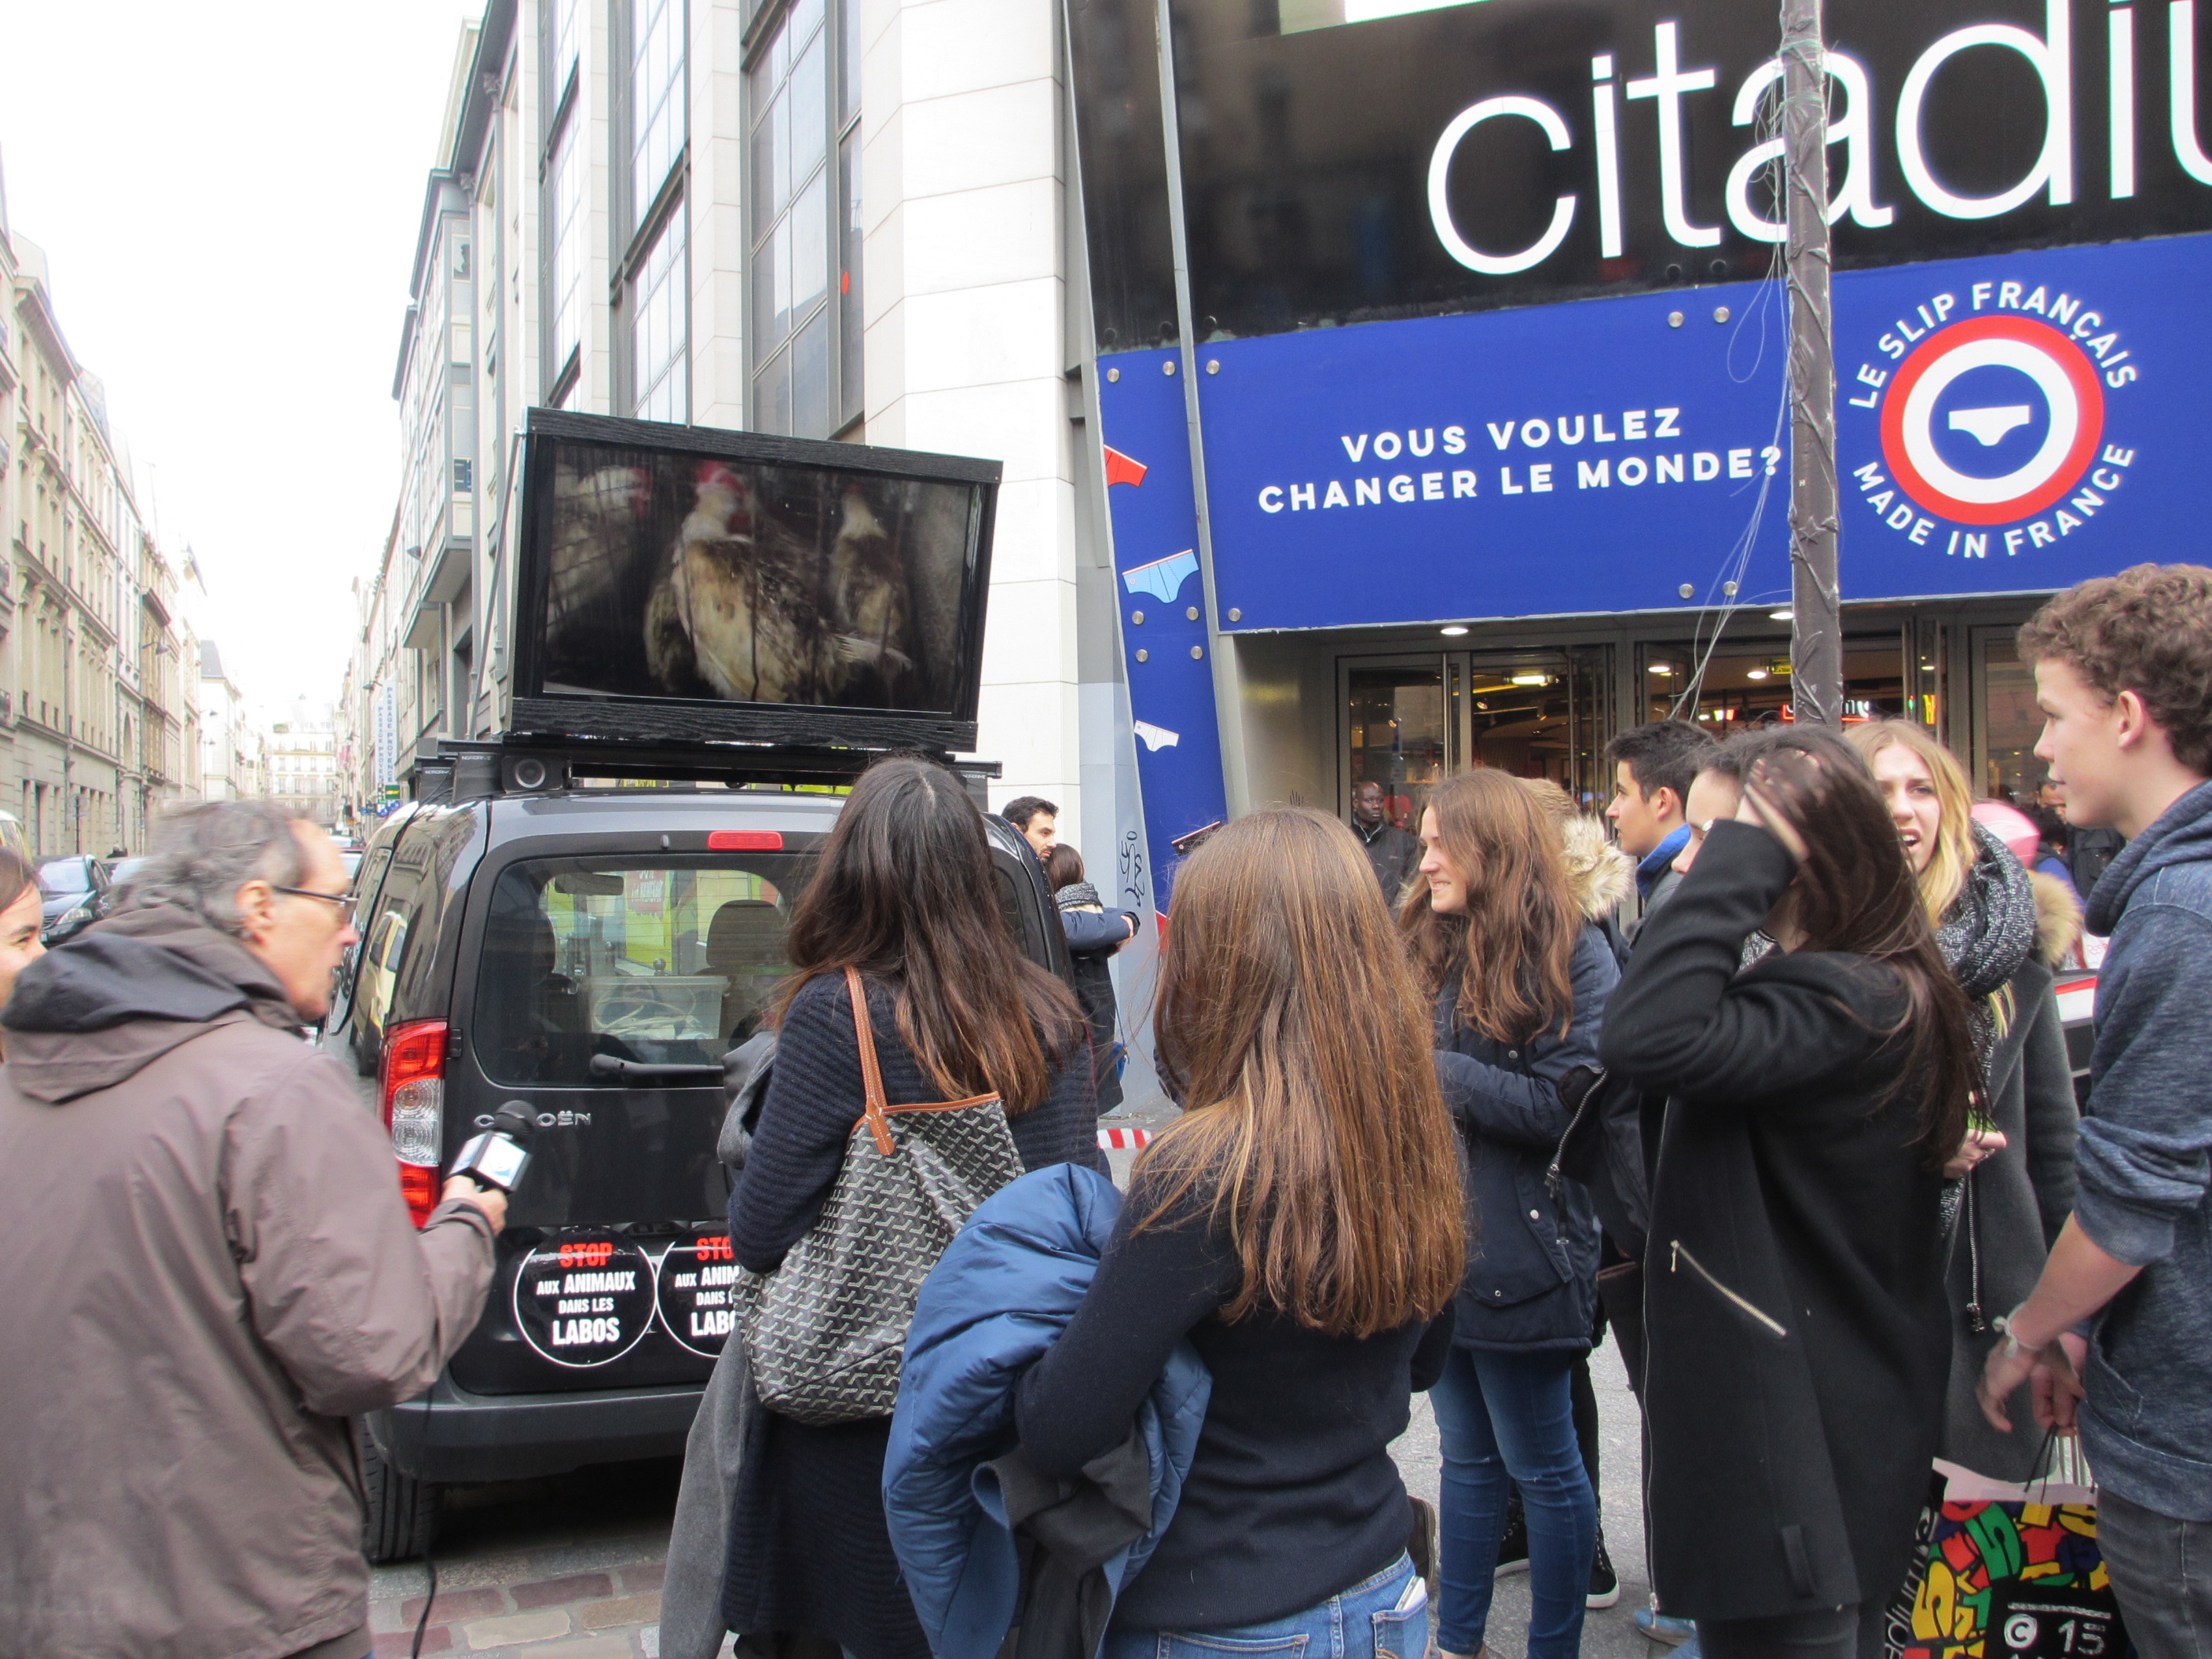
872 1072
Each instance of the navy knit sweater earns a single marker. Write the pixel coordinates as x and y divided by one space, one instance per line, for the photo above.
808 1547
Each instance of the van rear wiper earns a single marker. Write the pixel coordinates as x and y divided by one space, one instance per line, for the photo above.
648 1071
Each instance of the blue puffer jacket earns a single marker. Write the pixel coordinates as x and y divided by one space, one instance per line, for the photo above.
1532 1253
1001 1293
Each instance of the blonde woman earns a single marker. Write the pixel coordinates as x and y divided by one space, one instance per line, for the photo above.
2002 929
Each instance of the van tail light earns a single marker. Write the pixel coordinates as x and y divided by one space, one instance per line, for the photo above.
413 1090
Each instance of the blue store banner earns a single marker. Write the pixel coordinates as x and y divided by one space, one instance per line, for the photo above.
1604 456
1162 599
2017 423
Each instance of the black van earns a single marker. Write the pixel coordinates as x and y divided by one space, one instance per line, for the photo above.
591 954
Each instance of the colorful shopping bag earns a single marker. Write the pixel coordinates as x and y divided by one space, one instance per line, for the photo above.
2008 1572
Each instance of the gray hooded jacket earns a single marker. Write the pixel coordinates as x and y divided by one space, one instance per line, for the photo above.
210 1270
2144 1163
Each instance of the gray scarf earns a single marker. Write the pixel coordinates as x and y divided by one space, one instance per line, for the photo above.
1984 936
1989 928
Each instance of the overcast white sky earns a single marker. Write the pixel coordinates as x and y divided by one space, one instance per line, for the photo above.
228 194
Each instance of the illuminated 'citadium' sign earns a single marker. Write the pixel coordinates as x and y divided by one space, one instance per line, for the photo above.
2048 56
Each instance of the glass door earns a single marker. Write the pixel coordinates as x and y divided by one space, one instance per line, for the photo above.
1542 715
1398 735
1411 721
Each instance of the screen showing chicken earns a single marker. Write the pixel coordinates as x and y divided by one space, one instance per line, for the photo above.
671 575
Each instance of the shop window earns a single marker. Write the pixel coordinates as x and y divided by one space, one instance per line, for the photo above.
1746 683
2010 724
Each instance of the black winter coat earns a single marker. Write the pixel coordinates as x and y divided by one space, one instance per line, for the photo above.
2014 1202
1531 1255
1795 1313
1081 916
808 1549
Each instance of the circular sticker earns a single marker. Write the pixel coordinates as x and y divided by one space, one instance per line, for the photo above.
698 1282
584 1296
1992 419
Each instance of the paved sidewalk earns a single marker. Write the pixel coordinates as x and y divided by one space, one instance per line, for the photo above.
568 1568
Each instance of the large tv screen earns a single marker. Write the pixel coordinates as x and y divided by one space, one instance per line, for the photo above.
691 581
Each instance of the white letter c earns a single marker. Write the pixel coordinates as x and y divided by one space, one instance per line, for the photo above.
1562 215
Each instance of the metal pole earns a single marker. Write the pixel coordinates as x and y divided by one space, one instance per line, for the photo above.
1816 647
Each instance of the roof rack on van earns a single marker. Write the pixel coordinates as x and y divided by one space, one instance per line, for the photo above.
463 769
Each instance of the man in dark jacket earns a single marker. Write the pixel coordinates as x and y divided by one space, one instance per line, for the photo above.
1653 766
1394 854
2124 677
212 1268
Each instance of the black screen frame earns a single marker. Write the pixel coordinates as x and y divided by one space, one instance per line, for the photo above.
538 713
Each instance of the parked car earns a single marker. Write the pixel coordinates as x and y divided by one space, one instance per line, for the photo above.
591 955
73 891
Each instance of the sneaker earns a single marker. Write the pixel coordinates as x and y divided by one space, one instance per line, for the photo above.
1604 1582
1513 1547
1421 1544
1675 1632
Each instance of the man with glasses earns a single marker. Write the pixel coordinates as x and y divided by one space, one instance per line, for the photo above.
213 1268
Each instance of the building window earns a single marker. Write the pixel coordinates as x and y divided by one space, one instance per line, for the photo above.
654 280
657 125
803 88
564 254
658 357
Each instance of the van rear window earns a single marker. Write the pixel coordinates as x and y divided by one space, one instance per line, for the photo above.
667 961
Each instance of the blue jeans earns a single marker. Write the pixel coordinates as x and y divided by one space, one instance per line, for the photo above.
1501 1414
1385 1617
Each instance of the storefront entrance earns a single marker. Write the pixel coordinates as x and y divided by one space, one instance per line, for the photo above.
1536 713
1541 699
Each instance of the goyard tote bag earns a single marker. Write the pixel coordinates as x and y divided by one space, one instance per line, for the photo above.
824 1330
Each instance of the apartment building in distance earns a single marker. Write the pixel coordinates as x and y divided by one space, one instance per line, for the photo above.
96 729
302 754
232 748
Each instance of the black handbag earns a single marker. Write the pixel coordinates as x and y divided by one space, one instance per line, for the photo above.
825 1330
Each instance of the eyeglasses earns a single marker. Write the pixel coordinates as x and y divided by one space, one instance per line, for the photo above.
343 901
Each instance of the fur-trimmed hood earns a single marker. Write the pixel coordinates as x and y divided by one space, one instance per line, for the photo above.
2057 918
1600 875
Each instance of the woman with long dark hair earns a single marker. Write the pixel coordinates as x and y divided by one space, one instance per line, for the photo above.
2003 928
905 895
1301 1224
1517 978
1796 1334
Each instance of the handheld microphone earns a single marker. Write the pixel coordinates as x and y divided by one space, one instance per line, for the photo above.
498 1156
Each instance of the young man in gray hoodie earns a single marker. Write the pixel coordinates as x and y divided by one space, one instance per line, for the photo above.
2124 677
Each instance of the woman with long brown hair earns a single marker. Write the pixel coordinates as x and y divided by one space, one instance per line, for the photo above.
905 895
1801 1111
1517 977
2003 928
1301 1224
